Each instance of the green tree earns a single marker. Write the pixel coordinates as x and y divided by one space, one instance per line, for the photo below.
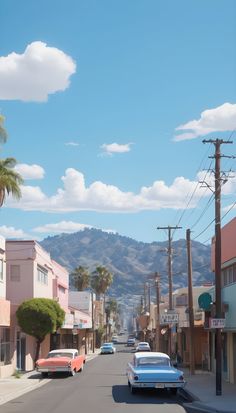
80 278
39 317
10 180
3 132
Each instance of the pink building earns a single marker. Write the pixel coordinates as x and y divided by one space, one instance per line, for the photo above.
5 362
31 273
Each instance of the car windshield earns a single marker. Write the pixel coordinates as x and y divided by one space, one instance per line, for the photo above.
153 361
60 354
107 345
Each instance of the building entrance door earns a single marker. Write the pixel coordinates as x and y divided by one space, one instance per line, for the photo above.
20 351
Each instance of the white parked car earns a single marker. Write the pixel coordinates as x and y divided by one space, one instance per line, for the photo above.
143 346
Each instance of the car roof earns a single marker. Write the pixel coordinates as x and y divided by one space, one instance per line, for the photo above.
64 350
151 354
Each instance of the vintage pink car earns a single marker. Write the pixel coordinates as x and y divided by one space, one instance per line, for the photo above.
61 360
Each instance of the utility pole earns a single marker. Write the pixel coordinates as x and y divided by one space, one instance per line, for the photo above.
157 335
169 251
190 306
218 303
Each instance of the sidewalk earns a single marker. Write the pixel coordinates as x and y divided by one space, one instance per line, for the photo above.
201 390
12 387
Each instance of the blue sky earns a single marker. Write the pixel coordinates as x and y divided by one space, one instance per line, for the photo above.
106 104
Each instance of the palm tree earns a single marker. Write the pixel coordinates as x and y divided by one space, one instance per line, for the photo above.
100 282
3 133
10 180
80 278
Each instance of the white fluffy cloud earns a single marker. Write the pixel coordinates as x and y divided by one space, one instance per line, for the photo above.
30 171
220 119
11 232
100 197
72 143
36 73
111 148
64 226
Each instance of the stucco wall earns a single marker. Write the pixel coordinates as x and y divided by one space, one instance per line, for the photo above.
228 296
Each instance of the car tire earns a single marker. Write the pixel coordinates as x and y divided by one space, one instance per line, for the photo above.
173 391
81 368
72 373
133 389
44 375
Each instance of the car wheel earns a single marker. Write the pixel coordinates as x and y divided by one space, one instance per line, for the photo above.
81 368
133 389
173 390
128 383
44 375
72 373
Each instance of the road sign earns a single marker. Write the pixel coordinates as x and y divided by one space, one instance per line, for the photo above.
169 318
217 322
205 301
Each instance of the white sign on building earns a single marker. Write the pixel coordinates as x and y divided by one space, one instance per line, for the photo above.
217 322
169 318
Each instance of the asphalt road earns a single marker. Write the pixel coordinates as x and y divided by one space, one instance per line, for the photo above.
100 388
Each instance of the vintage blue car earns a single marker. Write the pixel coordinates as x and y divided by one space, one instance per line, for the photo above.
153 370
108 348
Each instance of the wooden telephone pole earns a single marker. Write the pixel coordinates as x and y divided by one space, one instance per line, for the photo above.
169 252
218 303
190 306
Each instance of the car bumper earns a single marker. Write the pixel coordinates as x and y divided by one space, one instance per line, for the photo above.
155 385
60 369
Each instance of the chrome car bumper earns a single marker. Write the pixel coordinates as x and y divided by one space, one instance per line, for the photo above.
154 385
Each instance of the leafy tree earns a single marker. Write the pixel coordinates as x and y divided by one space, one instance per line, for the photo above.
39 317
10 180
80 278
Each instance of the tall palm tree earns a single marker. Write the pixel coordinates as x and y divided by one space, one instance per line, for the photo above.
80 278
3 133
10 180
101 280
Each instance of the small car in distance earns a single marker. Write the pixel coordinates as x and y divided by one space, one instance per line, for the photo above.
108 348
153 370
114 339
143 346
131 342
61 360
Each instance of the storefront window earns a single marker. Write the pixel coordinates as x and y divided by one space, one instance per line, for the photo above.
4 346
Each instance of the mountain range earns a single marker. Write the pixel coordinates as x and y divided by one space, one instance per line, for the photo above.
131 262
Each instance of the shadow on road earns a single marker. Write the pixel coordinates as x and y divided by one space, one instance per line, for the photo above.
121 394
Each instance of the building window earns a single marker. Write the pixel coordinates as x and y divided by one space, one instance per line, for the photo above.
15 273
181 300
1 270
229 275
61 289
42 275
4 346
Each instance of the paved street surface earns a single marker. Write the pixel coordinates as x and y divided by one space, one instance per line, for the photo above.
101 387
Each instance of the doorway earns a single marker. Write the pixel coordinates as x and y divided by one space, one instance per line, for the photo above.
20 351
